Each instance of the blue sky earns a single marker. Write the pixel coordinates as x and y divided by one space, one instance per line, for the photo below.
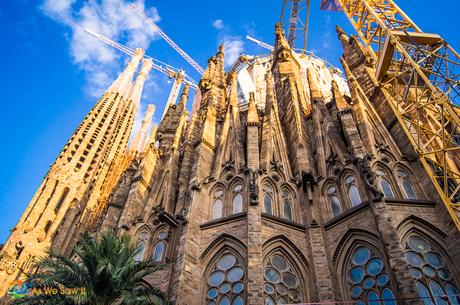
53 73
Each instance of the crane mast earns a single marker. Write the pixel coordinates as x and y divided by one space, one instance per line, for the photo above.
293 23
163 35
419 74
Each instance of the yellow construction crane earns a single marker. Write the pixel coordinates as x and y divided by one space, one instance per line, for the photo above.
419 74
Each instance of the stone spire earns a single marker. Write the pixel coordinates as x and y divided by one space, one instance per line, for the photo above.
233 95
136 90
208 74
280 38
338 97
315 90
123 82
253 117
220 67
182 104
342 35
139 138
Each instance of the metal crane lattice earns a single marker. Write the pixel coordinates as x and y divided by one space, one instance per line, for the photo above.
163 35
419 74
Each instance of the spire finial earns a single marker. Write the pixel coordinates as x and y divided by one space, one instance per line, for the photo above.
253 117
338 97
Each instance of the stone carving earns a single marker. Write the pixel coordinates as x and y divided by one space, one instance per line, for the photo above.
368 177
253 187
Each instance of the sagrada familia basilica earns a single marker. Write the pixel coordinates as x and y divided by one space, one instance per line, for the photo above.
290 182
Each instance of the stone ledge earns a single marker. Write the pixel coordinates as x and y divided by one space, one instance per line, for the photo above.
410 202
283 222
223 220
346 215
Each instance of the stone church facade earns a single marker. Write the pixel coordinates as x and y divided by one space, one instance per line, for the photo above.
301 189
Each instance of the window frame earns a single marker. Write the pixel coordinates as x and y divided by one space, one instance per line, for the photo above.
212 267
232 196
214 199
156 239
288 197
331 194
347 187
424 279
403 175
269 190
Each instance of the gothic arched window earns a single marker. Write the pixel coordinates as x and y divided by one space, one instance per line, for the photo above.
218 204
384 183
353 192
368 279
281 281
237 202
268 199
334 200
143 238
431 273
287 205
160 246
225 281
140 251
406 185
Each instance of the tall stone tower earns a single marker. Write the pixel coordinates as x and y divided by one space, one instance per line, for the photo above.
289 183
71 188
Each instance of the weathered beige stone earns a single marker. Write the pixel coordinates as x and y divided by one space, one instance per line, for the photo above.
274 162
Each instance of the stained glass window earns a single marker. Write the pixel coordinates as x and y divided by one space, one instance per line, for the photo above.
429 269
407 187
353 192
218 204
385 185
237 202
143 238
409 192
140 253
160 245
281 282
268 201
287 205
225 282
334 201
368 279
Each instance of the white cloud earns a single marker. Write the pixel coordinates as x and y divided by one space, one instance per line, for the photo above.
327 39
218 24
233 49
234 45
112 18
